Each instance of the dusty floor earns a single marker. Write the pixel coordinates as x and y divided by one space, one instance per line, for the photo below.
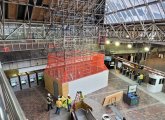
33 102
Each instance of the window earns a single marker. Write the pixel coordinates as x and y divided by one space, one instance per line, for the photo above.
161 81
152 81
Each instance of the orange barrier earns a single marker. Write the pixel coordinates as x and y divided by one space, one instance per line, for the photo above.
72 65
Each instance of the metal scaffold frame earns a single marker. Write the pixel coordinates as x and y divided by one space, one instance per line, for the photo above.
73 65
67 24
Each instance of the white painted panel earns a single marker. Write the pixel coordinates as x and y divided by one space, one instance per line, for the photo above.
13 65
29 69
89 84
39 62
23 64
5 66
44 61
34 62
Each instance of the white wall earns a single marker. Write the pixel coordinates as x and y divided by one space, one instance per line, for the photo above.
29 69
24 64
89 84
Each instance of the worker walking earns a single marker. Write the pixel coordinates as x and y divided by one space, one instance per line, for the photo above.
58 105
49 101
69 102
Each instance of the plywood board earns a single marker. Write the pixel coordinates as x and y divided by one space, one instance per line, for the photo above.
46 2
65 89
12 11
116 97
36 13
49 84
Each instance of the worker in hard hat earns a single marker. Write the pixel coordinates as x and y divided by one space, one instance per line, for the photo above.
49 101
141 77
64 102
58 105
81 96
69 102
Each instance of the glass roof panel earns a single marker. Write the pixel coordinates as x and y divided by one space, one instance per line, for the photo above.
161 10
119 4
155 11
136 2
135 10
127 3
141 14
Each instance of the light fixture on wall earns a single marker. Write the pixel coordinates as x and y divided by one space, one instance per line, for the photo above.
129 46
127 36
146 49
117 43
107 42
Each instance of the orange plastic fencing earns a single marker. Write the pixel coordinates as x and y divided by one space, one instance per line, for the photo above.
73 65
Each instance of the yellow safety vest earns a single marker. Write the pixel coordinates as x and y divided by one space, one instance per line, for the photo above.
58 104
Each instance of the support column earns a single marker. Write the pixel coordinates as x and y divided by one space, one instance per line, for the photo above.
28 79
0 65
19 78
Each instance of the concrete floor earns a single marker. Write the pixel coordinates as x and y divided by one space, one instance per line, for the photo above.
33 102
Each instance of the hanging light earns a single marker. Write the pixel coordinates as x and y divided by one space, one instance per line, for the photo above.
146 49
107 42
129 46
127 36
117 43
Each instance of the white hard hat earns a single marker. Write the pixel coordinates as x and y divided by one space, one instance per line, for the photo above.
48 94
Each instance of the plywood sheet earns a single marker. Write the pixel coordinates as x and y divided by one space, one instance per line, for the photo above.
46 2
36 13
49 84
65 89
12 11
42 14
116 97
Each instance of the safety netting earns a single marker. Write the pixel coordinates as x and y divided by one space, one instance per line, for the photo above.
71 65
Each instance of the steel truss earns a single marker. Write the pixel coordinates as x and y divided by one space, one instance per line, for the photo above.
69 24
144 33
135 21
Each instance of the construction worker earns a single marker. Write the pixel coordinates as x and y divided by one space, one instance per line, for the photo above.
81 96
49 101
64 102
141 77
58 105
69 102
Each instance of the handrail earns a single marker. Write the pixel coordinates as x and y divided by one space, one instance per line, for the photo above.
151 70
3 115
89 115
13 108
73 116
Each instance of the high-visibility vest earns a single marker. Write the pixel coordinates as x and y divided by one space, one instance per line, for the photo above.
69 101
141 77
58 104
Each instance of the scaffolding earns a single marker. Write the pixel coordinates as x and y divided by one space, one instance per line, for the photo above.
50 24
72 65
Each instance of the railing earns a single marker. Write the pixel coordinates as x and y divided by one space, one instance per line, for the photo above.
11 105
73 116
89 115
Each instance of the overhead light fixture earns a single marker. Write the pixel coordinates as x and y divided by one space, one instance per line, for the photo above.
127 36
107 42
129 46
117 43
146 49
